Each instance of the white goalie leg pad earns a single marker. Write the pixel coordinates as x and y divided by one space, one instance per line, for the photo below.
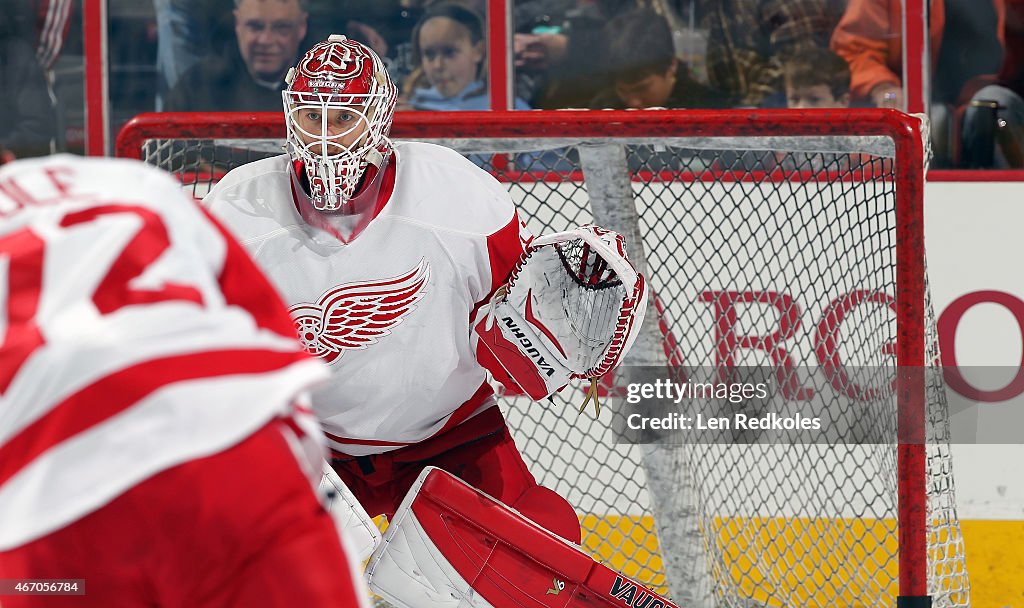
451 546
408 571
348 514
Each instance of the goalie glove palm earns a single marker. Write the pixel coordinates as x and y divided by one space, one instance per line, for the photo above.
570 310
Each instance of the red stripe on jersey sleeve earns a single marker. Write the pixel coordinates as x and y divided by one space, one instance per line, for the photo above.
119 391
504 248
24 251
244 284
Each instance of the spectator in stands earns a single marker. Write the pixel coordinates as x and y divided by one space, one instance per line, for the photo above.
869 38
190 30
971 48
558 53
816 78
44 24
747 37
187 32
251 77
48 20
27 114
449 50
993 123
644 70
556 42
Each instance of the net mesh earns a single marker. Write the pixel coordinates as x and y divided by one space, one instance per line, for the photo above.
591 298
771 252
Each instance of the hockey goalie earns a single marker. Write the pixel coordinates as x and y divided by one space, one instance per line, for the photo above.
408 272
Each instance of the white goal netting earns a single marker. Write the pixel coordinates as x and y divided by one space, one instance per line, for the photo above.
769 250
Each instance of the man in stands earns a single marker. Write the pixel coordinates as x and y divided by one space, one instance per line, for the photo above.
269 33
153 438
869 38
384 251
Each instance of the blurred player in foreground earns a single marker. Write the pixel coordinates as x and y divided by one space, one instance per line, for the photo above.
153 438
409 272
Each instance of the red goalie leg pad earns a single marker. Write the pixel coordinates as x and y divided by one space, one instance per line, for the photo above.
511 561
551 511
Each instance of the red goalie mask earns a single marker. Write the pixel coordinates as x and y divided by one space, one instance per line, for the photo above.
338 107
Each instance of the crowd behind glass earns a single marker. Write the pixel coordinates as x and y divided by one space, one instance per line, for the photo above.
231 55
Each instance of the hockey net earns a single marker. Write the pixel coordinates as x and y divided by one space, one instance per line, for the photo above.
782 240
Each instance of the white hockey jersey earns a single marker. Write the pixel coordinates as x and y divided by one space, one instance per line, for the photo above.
135 335
390 310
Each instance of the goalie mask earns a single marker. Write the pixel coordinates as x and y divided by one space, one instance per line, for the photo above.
338 108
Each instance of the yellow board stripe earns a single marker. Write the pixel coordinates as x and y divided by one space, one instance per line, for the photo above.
627 544
995 556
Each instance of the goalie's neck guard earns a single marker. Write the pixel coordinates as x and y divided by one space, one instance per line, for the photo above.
349 219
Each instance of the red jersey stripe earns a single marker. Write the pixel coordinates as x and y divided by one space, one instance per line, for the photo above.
117 392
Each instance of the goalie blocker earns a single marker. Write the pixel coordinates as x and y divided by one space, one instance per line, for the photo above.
452 545
571 309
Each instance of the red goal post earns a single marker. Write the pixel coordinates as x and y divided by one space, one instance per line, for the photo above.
745 155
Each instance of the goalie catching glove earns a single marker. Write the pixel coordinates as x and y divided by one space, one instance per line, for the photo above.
571 309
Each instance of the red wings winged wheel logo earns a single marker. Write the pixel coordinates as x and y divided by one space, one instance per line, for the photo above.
354 316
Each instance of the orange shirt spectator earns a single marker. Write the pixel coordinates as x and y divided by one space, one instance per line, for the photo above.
870 37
